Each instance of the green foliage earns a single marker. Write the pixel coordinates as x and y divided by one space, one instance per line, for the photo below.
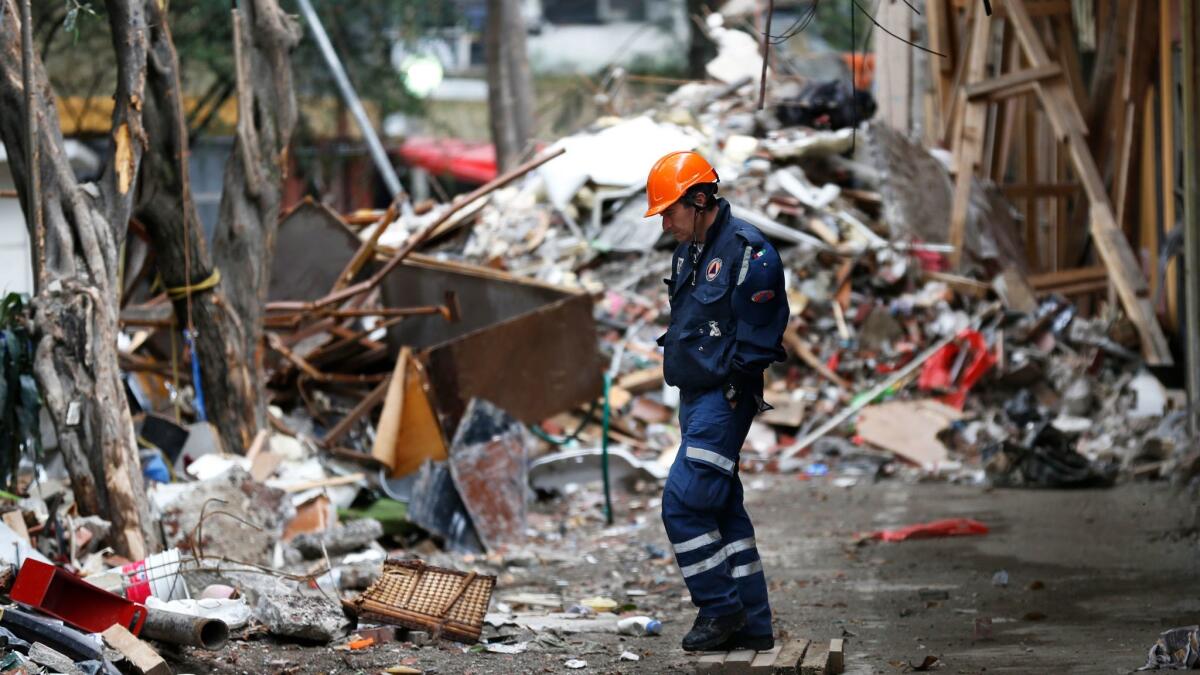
71 20
362 33
74 39
20 402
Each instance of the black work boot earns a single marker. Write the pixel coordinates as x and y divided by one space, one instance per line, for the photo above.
740 640
709 632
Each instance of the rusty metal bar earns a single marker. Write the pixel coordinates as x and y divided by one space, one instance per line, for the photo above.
311 370
364 407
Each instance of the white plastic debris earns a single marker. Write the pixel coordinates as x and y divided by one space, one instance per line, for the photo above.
1151 397
515 648
235 613
575 664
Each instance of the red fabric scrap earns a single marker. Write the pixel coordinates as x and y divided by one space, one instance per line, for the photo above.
950 527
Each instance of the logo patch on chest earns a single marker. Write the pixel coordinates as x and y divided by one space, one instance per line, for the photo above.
714 268
762 296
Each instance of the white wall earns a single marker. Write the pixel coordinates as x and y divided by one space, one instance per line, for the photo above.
16 266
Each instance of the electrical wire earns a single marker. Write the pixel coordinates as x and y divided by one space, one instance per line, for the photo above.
798 26
804 21
910 43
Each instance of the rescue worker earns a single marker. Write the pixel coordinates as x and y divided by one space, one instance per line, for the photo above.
728 314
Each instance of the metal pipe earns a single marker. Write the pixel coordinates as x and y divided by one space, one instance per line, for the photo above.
1191 218
356 107
185 629
33 202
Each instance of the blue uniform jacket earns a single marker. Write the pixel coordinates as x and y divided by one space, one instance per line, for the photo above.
728 310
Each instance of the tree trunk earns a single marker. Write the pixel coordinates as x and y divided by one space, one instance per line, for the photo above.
76 309
701 49
253 188
166 208
510 83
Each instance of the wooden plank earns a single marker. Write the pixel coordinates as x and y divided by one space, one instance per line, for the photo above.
264 465
953 120
738 662
1028 173
1014 291
1166 129
1081 288
642 381
816 661
1053 280
1069 56
1006 114
802 351
937 18
1148 191
332 481
1134 83
1110 242
711 663
764 662
964 285
837 656
820 228
1035 7
140 656
893 64
1012 80
969 148
790 657
16 522
1062 225
1065 119
1027 190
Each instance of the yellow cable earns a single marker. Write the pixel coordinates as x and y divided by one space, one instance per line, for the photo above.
184 291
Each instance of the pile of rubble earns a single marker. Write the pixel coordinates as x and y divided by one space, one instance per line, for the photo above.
1012 385
432 371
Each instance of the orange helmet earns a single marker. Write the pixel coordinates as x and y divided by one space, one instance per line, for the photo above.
672 176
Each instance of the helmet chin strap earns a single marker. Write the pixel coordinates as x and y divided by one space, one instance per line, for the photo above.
696 244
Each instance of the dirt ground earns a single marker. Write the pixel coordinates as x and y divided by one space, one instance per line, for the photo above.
1093 577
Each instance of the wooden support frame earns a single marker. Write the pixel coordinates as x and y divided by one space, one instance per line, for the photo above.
969 149
1110 242
1058 88
1012 84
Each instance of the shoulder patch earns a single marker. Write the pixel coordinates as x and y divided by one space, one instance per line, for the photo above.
714 268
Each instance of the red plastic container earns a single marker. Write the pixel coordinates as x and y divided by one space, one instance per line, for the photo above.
68 597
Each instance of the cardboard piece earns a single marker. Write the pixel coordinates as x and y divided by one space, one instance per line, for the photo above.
908 429
408 433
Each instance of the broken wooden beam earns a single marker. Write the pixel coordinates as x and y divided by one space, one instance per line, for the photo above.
1011 84
416 240
139 654
805 354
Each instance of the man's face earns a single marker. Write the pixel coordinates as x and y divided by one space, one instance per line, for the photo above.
679 221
